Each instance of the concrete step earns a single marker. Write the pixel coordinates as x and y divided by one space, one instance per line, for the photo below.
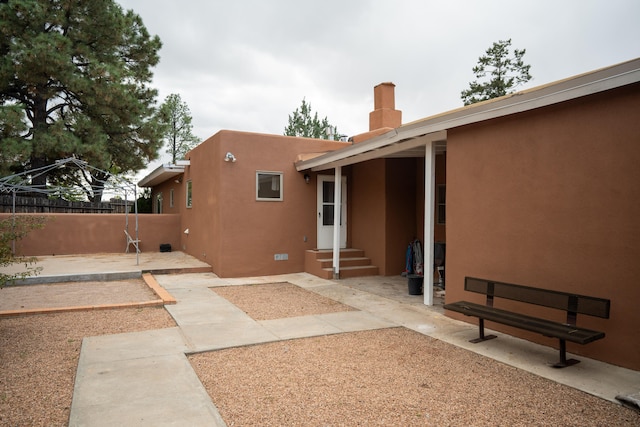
353 263
328 253
345 262
357 271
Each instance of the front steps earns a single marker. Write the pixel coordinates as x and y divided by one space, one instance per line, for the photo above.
353 263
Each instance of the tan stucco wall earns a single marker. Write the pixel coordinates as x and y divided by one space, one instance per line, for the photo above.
400 225
232 231
383 211
551 198
439 230
368 210
68 234
165 189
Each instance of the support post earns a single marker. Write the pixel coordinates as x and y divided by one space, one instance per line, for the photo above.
429 200
135 207
337 209
13 223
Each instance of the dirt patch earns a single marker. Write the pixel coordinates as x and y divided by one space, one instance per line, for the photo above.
278 301
388 377
39 358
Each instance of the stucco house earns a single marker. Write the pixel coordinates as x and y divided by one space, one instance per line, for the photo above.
540 188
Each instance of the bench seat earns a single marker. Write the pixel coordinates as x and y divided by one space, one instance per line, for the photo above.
570 303
544 327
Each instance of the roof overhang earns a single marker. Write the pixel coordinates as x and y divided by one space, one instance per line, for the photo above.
409 140
161 174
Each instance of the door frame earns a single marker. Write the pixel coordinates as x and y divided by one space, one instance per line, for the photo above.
325 232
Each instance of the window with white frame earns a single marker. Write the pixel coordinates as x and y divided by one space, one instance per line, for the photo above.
159 203
189 193
269 186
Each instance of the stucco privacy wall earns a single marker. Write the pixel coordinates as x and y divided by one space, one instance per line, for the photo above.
367 228
551 198
400 224
228 227
69 234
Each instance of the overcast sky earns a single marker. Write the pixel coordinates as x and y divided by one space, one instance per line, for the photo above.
247 64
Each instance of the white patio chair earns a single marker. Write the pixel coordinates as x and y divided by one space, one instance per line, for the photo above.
132 241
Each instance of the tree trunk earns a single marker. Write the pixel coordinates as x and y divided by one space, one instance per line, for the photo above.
38 156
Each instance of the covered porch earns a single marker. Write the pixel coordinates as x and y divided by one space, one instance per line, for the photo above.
392 181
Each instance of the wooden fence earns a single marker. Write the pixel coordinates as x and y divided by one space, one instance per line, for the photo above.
45 205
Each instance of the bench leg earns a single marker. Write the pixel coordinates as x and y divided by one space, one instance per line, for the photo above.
482 336
563 363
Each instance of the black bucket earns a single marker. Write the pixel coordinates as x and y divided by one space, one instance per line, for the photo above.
415 284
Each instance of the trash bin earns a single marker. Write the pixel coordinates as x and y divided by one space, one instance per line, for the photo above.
415 284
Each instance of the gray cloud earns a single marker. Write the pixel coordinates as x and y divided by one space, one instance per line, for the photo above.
246 65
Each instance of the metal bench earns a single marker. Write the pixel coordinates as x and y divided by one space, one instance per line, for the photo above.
572 304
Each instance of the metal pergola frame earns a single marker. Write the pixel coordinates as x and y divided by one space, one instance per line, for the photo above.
21 183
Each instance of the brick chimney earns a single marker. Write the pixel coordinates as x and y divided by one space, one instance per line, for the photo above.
384 114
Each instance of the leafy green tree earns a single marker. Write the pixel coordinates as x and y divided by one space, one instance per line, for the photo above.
74 81
175 117
498 73
302 124
11 230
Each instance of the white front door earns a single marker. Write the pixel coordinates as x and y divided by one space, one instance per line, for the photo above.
326 194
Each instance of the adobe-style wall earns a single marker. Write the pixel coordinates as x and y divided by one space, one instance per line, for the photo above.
551 198
439 230
383 210
164 190
228 227
368 210
70 234
400 226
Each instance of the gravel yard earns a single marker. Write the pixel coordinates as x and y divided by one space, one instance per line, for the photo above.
389 377
384 377
57 295
278 301
39 358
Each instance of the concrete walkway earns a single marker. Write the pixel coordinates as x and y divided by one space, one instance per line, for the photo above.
145 379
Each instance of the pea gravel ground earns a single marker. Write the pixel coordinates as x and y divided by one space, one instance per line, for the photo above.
39 358
385 377
389 377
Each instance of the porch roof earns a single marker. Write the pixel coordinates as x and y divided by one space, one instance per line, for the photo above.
163 173
409 140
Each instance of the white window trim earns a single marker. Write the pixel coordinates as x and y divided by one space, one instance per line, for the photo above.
188 197
270 199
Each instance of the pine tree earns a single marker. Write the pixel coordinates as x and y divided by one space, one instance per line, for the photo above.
74 81
504 73
175 117
302 124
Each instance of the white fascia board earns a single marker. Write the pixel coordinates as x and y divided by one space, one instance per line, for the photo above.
161 174
564 90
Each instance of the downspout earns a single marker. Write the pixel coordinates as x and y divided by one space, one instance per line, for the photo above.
337 209
429 194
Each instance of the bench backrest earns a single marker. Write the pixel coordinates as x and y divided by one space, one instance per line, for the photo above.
571 303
